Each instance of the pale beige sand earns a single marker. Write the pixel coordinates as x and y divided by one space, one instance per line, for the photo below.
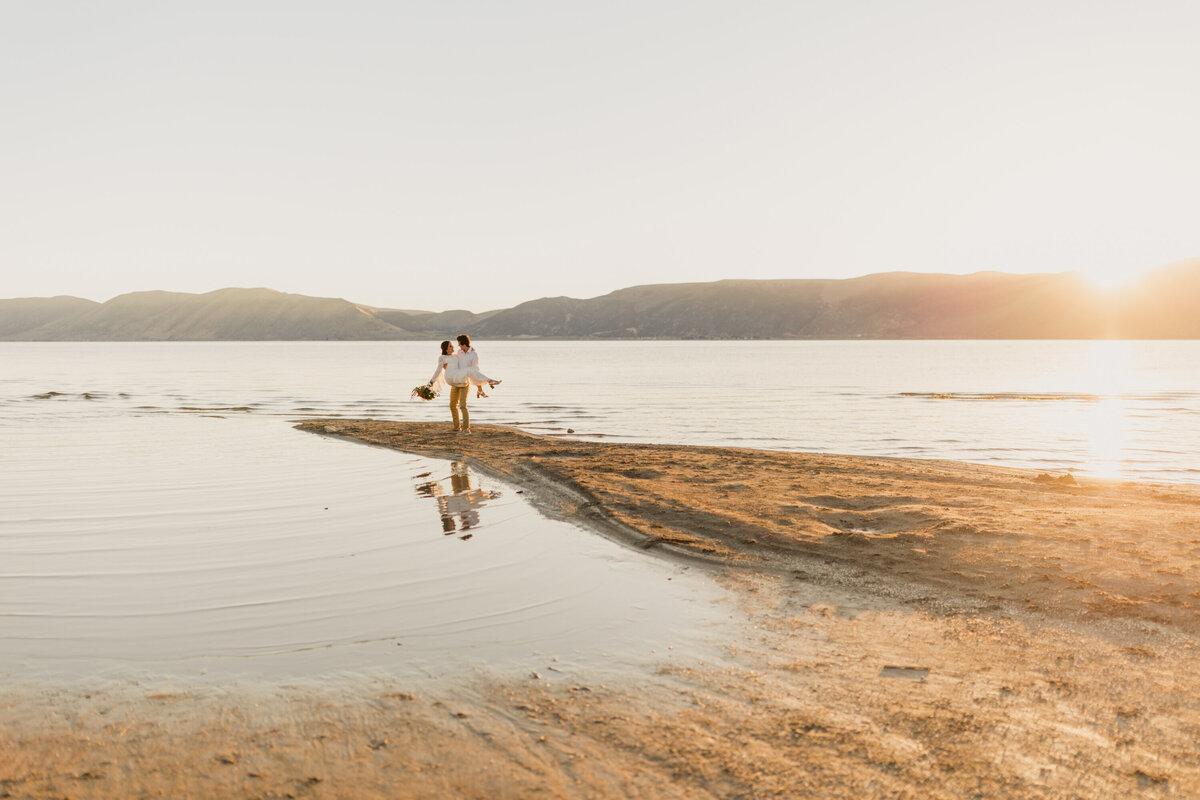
916 629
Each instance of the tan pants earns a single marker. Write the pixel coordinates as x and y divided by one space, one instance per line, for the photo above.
458 407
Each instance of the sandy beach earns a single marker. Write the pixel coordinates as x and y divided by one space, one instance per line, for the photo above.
913 629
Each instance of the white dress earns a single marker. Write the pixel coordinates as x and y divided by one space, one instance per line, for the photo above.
450 370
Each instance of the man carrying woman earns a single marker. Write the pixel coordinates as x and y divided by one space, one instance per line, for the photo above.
460 370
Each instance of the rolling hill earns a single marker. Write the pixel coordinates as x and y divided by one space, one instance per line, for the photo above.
898 305
226 314
24 314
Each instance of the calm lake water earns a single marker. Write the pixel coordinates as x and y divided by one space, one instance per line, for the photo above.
174 545
159 514
1121 409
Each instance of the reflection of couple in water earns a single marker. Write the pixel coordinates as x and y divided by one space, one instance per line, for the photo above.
464 501
460 370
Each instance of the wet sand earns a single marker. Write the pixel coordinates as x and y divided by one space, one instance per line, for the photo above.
913 629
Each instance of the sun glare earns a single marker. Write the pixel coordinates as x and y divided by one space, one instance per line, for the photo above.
1109 379
1113 278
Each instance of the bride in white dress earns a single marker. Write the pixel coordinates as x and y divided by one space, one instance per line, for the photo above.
449 371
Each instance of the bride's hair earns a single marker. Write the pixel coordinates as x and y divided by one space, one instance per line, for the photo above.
446 347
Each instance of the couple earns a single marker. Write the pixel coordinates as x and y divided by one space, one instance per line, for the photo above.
460 369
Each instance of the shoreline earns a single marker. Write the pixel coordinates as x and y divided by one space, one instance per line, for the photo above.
989 535
899 628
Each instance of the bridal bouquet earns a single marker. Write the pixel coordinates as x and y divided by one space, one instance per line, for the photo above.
425 392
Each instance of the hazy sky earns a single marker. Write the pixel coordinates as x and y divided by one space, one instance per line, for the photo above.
474 155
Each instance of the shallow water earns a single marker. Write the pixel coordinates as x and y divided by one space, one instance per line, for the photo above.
158 514
177 544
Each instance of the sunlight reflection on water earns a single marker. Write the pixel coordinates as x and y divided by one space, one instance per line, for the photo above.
1112 380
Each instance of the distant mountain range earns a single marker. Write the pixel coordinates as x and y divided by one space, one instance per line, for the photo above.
898 305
